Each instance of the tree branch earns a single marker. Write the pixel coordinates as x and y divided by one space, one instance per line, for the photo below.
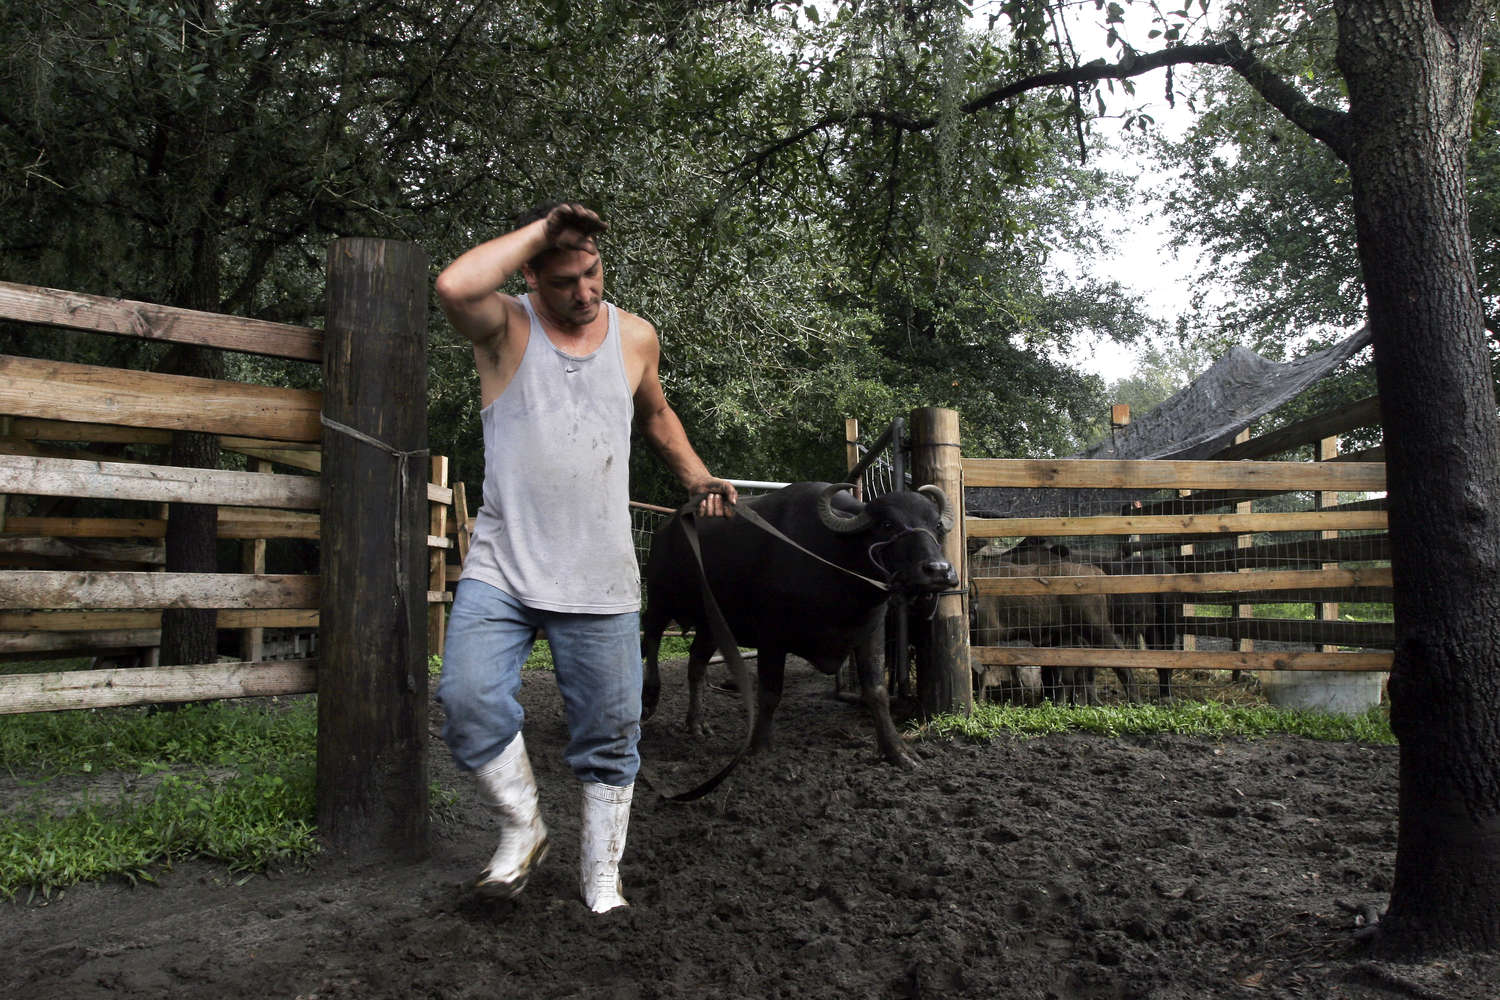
1327 126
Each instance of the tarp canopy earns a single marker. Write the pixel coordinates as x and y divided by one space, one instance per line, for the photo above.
1199 421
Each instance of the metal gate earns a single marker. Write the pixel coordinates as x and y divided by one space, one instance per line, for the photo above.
881 469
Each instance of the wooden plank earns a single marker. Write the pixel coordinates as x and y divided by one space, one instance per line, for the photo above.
1358 548
463 526
229 618
37 429
160 483
58 553
1373 595
250 522
236 523
86 527
1126 474
64 589
59 691
50 642
296 458
1373 635
233 442
1361 413
1197 584
128 318
1176 524
439 494
1178 659
92 394
12 445
76 621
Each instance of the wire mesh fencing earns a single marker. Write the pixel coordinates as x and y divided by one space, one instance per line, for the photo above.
1208 587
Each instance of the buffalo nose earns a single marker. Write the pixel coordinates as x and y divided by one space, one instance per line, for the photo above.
940 569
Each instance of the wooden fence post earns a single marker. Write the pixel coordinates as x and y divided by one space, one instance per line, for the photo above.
1328 611
372 673
253 560
437 563
944 680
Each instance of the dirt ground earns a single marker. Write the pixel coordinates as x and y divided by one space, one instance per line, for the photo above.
1069 867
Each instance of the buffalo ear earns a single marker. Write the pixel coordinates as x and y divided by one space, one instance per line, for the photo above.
836 522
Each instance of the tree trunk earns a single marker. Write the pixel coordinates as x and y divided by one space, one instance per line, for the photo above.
190 635
1412 71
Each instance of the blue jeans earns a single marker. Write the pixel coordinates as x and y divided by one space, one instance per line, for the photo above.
598 669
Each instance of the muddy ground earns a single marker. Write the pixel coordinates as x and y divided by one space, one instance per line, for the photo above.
1063 867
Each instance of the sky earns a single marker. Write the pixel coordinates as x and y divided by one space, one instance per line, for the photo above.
1142 260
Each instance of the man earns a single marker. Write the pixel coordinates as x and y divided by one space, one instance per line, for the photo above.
561 374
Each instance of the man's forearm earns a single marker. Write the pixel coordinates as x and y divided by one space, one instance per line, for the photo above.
665 433
485 268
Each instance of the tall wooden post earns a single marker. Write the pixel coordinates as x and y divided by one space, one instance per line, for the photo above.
372 671
1328 611
851 452
944 683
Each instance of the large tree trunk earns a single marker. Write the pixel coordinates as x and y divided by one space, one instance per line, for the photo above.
190 635
1413 70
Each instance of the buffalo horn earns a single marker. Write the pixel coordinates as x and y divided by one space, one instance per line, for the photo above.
834 521
937 496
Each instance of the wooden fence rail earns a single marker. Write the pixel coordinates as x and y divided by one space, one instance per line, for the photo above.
79 583
1278 558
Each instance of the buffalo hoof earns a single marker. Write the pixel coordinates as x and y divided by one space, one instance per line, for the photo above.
902 758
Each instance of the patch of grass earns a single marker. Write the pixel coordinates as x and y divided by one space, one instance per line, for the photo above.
230 782
227 781
1210 719
221 733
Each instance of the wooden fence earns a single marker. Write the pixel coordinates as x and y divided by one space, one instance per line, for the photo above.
354 485
1207 522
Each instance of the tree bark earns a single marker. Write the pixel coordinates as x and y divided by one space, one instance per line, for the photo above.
190 635
1412 71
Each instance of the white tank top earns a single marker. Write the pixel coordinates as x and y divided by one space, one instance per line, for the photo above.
554 528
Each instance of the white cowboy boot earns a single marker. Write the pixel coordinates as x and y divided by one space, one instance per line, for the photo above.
507 786
606 817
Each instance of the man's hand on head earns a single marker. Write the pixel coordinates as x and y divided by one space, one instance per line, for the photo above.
572 226
719 499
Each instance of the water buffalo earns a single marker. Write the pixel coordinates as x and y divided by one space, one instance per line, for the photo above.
1143 621
1060 619
781 601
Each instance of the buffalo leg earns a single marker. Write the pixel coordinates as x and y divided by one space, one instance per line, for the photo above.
771 674
698 656
869 657
1052 684
651 631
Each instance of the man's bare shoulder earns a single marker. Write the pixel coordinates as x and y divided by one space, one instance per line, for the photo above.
636 334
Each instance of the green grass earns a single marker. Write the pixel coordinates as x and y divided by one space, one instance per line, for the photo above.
221 780
1355 611
1187 718
226 781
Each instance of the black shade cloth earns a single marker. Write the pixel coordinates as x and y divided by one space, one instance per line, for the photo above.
1199 421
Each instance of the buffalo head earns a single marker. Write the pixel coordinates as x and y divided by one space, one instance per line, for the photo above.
903 531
